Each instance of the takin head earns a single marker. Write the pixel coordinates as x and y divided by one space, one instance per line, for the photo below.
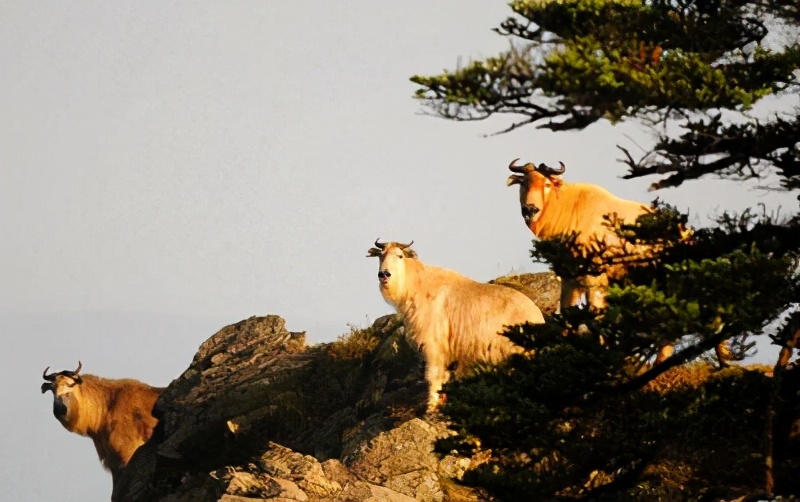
535 184
66 387
392 270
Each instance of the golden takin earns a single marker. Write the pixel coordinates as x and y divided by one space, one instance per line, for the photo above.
451 319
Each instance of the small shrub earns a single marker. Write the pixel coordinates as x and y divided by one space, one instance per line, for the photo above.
355 345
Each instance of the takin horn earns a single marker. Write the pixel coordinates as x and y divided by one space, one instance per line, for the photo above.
74 374
51 377
514 168
549 171
377 250
404 246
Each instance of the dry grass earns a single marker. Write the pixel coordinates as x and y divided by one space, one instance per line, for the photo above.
355 345
693 376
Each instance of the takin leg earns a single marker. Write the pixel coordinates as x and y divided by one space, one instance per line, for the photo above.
596 291
435 375
571 293
787 350
664 352
790 336
722 350
724 354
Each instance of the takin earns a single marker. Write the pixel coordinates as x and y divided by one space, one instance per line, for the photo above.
451 319
551 208
116 414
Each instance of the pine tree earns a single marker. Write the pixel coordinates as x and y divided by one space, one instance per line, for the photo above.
585 419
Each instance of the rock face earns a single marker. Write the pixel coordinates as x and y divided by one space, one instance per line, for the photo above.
259 415
544 288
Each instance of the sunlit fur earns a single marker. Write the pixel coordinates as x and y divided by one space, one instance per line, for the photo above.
451 319
564 208
115 414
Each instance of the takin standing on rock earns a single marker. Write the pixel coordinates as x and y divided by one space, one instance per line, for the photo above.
451 319
116 414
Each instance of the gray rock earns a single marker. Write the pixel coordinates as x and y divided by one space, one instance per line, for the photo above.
258 415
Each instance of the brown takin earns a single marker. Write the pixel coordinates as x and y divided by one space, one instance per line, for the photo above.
116 414
551 208
451 319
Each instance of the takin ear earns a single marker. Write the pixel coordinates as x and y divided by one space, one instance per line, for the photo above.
372 252
514 179
410 253
557 181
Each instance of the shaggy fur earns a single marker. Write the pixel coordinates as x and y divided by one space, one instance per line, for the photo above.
451 319
564 208
552 207
115 414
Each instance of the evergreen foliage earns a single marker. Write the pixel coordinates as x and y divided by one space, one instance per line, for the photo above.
574 62
584 414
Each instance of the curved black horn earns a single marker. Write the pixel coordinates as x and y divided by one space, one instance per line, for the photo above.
403 246
51 377
379 245
74 374
547 170
514 168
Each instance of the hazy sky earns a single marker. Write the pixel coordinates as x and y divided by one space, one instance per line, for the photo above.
167 168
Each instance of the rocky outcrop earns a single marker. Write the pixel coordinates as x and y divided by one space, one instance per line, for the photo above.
259 415
544 288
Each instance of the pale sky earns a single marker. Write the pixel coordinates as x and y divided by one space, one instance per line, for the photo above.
167 168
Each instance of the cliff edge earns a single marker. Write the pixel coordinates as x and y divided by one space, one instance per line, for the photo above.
260 415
